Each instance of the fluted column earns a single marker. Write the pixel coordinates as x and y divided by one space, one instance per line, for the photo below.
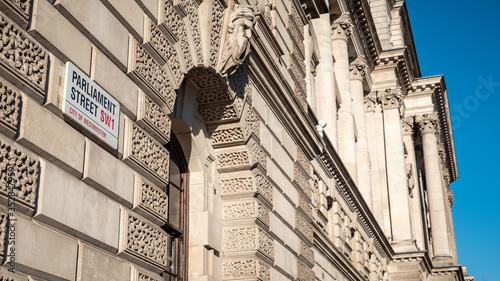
358 71
428 125
341 30
326 107
402 240
407 126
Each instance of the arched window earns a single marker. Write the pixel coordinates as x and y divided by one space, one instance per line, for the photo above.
177 212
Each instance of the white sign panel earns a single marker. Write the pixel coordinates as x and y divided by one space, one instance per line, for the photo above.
90 106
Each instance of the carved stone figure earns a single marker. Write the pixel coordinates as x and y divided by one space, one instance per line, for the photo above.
237 47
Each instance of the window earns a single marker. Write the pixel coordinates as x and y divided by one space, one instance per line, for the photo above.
176 226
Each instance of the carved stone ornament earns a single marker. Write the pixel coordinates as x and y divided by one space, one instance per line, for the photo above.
150 201
246 268
371 101
240 238
341 26
428 123
392 98
407 125
217 17
237 47
358 68
9 108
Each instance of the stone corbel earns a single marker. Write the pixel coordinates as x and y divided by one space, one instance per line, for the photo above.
237 47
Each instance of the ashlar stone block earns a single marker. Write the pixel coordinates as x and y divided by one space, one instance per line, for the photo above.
96 265
69 204
44 253
108 174
48 136
129 13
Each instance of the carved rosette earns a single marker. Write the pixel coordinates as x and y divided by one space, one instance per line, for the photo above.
392 98
371 101
144 152
341 26
358 68
428 123
407 125
242 238
143 243
9 110
245 268
23 57
150 201
19 174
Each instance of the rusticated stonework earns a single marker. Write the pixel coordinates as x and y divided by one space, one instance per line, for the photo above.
306 208
238 210
304 273
225 136
22 7
341 26
144 277
3 233
174 25
232 159
153 76
194 23
307 253
248 238
147 242
152 200
215 31
301 179
21 55
264 187
219 114
296 29
303 226
258 156
236 185
245 268
301 159
251 124
156 118
24 172
214 95
148 153
9 107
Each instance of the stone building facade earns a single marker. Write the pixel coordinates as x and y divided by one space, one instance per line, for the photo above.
257 140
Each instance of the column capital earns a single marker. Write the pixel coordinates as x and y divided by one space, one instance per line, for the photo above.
370 101
392 98
407 125
428 123
341 26
358 68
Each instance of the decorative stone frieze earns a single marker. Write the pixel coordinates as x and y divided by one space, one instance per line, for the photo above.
150 201
304 273
233 159
303 227
391 98
251 124
23 172
358 68
153 119
237 45
217 16
10 102
224 113
307 253
227 136
240 238
371 101
143 151
214 95
301 179
245 209
407 125
151 76
23 58
143 243
244 268
341 26
428 123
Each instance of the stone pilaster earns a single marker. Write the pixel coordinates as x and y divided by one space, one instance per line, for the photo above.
358 72
429 127
392 103
341 30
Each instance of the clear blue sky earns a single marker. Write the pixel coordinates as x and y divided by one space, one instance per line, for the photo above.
461 39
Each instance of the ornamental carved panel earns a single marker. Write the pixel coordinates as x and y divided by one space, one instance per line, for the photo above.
214 95
307 253
233 159
250 185
245 209
224 113
227 136
194 23
302 180
245 268
304 227
18 174
217 16
150 201
304 273
152 118
23 58
241 238
10 102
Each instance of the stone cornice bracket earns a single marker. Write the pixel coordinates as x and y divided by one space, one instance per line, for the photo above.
341 26
392 98
358 68
428 123
237 46
407 125
371 100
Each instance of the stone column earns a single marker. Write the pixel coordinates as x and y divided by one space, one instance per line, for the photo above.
341 30
326 107
429 124
411 171
357 68
402 240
